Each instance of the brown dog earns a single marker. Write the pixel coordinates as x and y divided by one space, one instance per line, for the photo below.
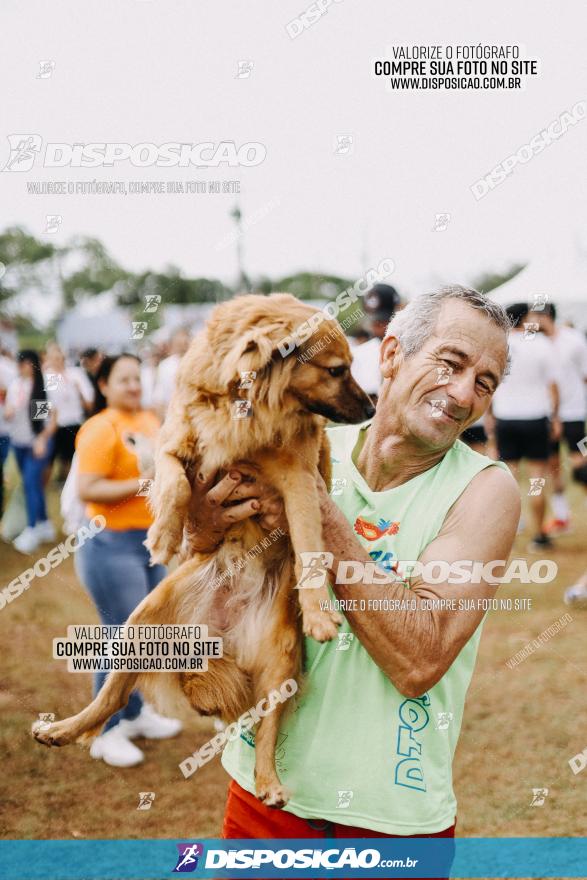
238 399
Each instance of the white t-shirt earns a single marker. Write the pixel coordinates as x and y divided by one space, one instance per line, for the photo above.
571 353
8 373
148 378
524 393
18 399
165 381
66 390
365 365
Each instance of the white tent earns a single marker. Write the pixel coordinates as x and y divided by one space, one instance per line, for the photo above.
561 274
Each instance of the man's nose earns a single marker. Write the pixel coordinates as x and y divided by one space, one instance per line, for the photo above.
461 390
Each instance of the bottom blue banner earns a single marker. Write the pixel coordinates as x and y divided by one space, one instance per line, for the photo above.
538 857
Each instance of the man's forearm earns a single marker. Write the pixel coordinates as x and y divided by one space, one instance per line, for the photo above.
405 644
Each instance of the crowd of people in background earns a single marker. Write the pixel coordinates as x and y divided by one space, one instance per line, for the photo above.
46 396
106 410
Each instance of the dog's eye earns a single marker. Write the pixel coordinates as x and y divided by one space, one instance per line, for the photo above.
338 371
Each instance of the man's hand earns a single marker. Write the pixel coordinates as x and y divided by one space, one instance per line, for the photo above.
556 429
217 504
40 446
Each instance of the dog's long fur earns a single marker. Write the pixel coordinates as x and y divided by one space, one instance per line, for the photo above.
255 610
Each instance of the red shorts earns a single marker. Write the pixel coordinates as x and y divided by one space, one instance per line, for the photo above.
247 818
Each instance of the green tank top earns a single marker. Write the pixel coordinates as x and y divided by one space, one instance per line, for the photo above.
352 749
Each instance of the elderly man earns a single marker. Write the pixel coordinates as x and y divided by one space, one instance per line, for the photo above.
368 750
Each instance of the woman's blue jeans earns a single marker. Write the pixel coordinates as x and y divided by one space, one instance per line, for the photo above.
114 568
32 471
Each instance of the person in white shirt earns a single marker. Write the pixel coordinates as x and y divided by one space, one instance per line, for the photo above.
570 351
165 380
380 305
149 364
73 396
7 376
31 414
526 411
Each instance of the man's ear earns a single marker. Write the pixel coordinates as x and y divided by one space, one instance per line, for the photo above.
390 355
254 351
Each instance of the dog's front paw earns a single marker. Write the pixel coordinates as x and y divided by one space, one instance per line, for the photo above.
321 625
272 794
162 543
57 733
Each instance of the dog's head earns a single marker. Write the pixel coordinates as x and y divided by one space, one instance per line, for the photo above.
278 350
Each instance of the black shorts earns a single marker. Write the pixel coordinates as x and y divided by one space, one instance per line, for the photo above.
573 433
474 434
65 442
523 438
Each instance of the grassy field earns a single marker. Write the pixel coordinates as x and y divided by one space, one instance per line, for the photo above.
521 725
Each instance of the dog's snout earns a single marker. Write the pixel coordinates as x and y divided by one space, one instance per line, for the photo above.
369 410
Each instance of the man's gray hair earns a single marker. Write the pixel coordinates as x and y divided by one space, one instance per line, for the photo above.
415 324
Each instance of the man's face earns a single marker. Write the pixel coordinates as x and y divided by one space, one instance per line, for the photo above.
440 391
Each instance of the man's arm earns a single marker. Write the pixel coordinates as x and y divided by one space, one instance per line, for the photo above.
415 648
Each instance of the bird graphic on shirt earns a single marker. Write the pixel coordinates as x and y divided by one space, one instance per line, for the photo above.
372 531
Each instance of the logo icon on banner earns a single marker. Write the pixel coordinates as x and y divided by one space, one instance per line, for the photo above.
187 860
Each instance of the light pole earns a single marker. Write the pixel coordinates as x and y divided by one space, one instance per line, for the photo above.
243 280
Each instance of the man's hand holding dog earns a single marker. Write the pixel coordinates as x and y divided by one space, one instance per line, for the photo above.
218 503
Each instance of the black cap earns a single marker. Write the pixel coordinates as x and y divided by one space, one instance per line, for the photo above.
381 302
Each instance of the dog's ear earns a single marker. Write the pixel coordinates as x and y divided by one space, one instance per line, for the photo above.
254 351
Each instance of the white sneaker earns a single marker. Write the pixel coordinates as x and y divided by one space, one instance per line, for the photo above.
27 541
45 531
576 595
115 749
151 725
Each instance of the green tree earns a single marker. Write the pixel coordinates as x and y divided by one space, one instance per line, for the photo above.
24 259
490 280
309 285
98 273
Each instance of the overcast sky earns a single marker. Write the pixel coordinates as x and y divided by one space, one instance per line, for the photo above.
152 71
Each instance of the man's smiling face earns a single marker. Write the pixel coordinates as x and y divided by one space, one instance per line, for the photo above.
441 390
